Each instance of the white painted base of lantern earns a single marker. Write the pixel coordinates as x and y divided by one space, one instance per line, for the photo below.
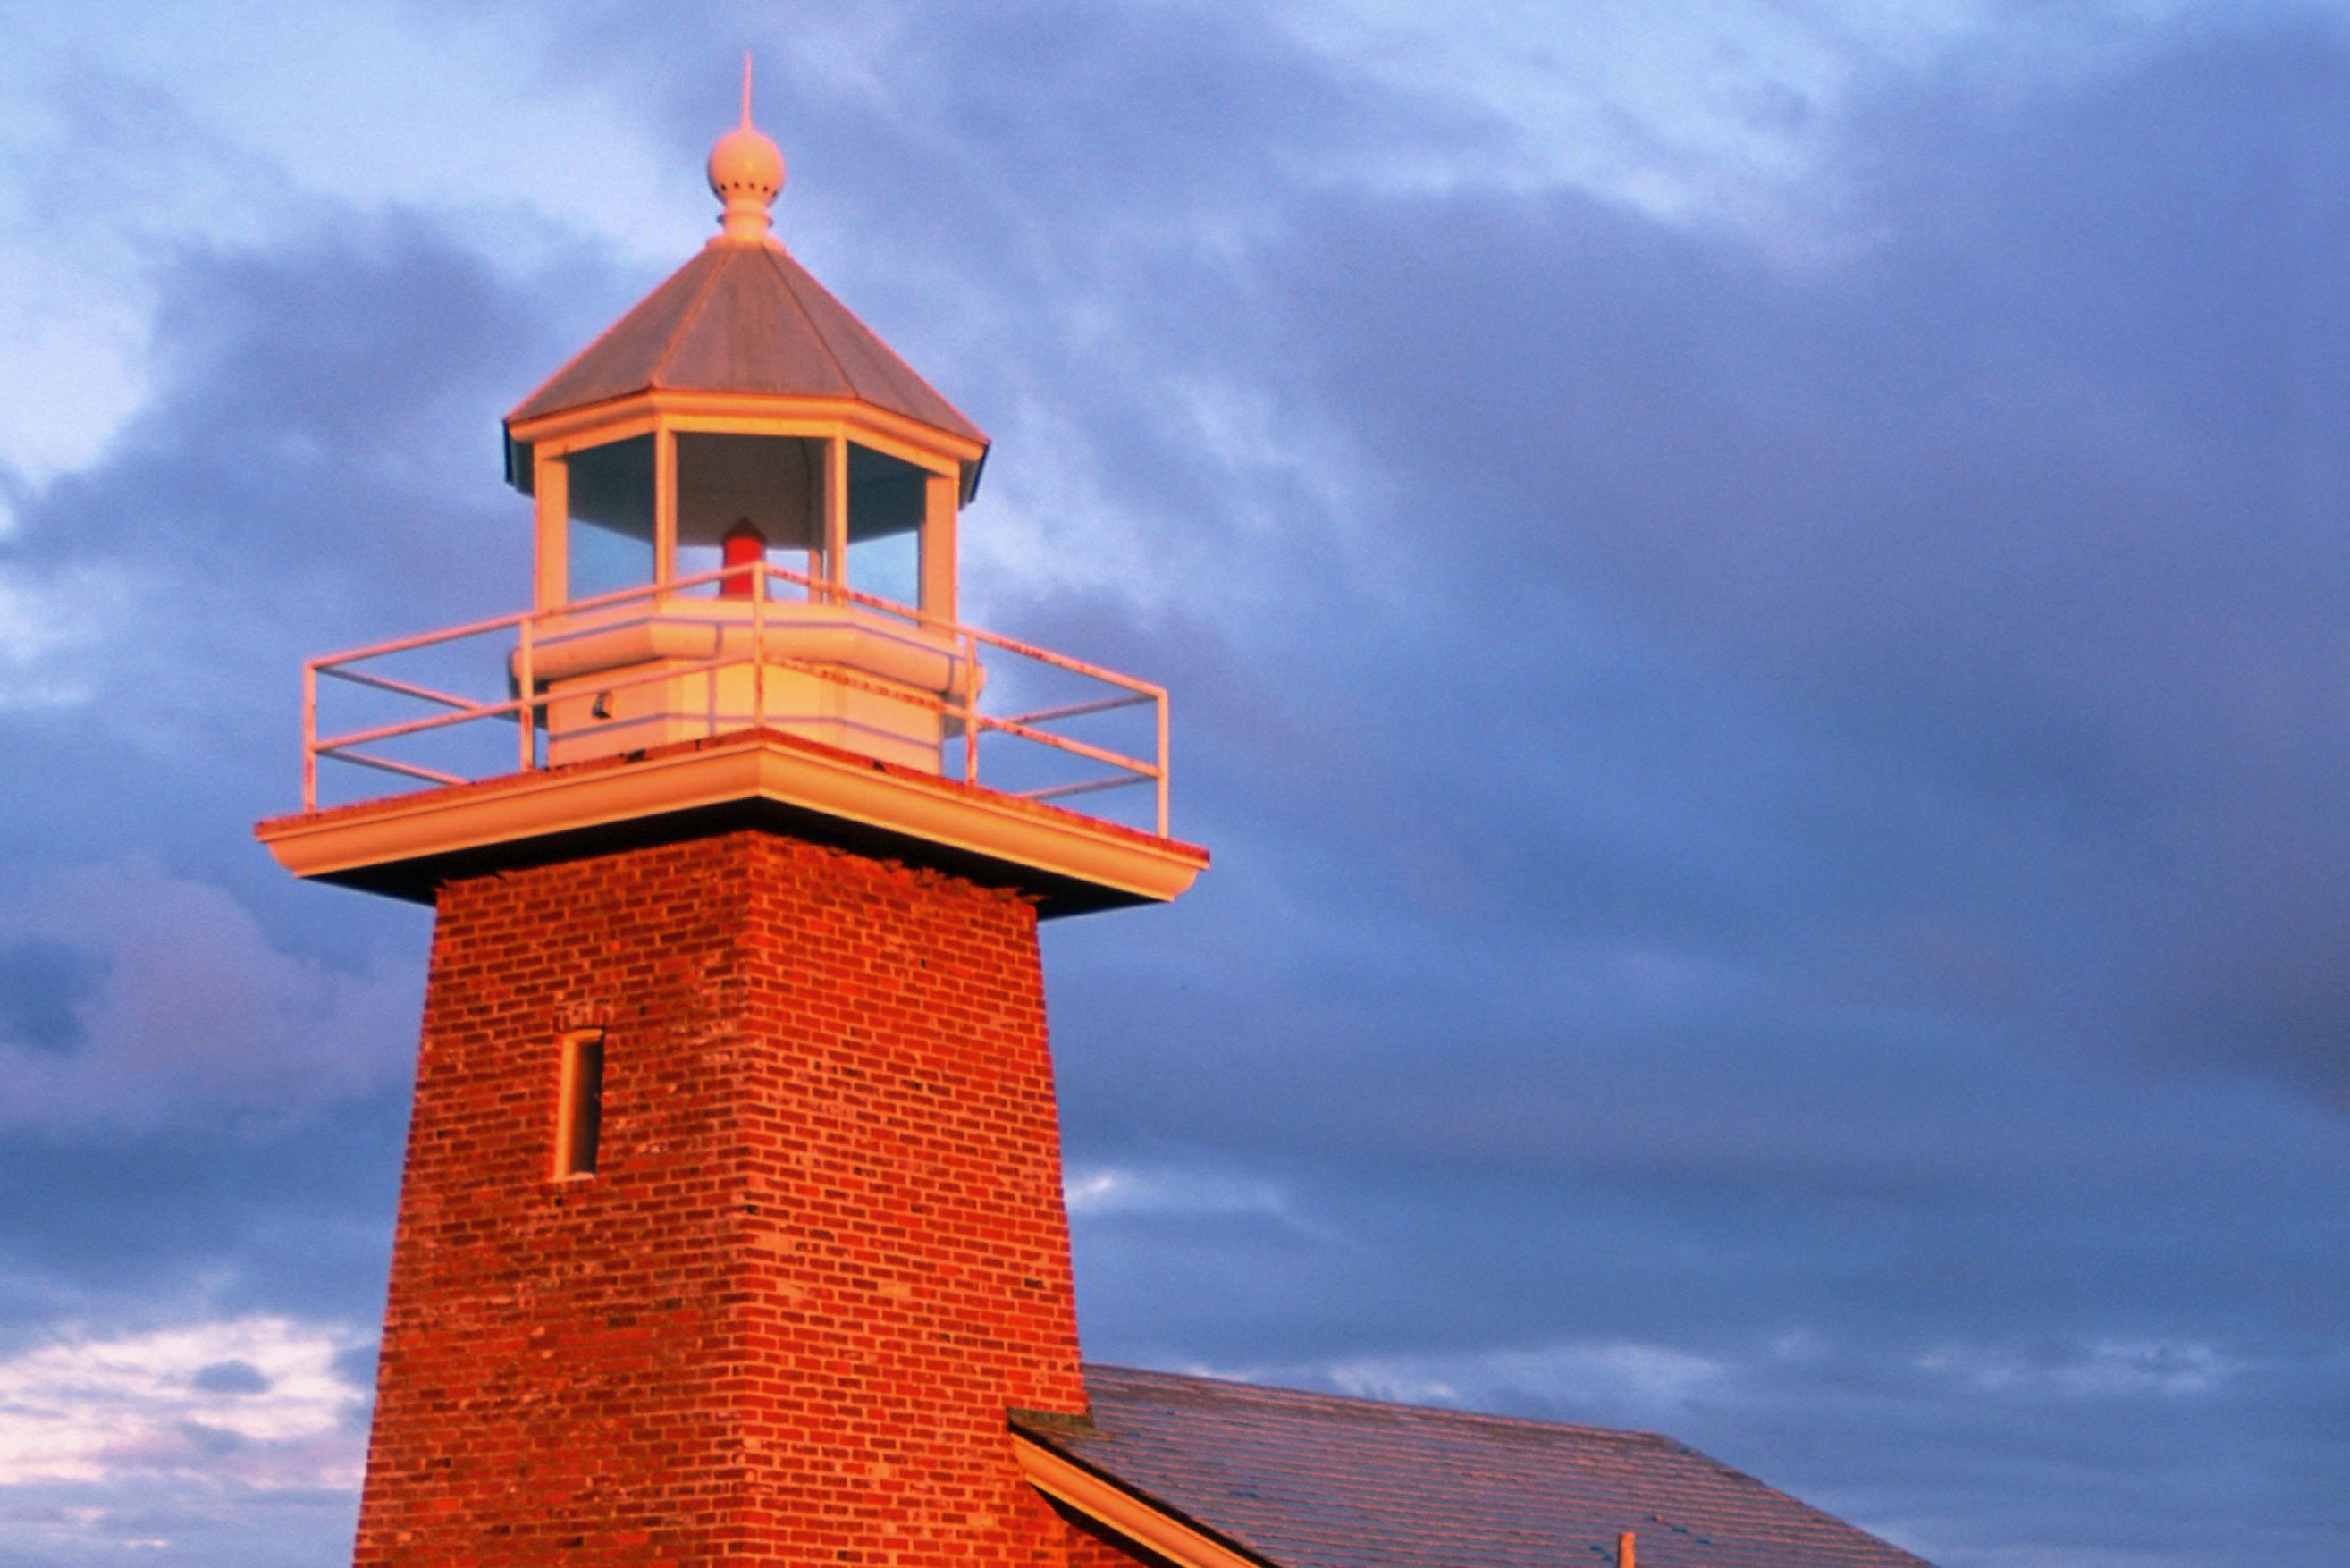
634 679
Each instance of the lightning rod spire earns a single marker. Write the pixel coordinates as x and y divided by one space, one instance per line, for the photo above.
746 172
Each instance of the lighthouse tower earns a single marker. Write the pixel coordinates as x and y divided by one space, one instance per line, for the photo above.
730 1229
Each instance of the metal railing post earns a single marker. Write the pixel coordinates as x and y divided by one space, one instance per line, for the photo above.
309 734
970 709
1163 764
527 716
758 647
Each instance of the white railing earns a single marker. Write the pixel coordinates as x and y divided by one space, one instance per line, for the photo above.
1033 759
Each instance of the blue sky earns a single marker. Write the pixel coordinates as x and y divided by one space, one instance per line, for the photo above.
1756 597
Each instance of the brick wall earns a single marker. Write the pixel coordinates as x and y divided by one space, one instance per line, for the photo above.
823 1249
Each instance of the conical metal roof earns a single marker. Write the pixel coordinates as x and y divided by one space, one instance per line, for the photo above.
743 316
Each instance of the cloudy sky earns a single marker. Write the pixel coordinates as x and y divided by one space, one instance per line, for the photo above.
1759 605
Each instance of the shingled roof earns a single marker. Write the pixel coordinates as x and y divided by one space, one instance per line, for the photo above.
1314 1480
745 317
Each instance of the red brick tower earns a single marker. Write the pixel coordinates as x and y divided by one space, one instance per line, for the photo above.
732 1222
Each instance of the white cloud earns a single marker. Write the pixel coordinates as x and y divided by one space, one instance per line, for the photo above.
255 1402
129 131
1104 1190
1613 1382
43 619
86 353
1596 1375
369 104
1690 110
2099 1368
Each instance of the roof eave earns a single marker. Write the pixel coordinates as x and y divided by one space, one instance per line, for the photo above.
783 408
780 406
1125 1512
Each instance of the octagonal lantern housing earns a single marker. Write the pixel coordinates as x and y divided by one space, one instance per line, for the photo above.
739 415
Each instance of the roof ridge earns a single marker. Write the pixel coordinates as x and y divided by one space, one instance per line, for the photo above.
773 331
903 363
859 323
1439 1412
791 289
601 338
686 317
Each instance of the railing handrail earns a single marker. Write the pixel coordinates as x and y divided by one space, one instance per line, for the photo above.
759 572
538 629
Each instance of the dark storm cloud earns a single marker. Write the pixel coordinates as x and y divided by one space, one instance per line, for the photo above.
202 1079
2026 520
1785 824
319 425
205 1071
1778 869
1853 760
108 1227
42 985
316 466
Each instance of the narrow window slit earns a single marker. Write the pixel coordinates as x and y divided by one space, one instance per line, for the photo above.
580 1126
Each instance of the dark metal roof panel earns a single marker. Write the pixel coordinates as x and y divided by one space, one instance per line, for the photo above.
1314 1480
744 318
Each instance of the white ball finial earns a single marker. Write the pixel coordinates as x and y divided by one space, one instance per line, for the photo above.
746 173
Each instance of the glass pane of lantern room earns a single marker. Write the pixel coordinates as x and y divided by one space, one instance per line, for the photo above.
610 538
885 523
772 485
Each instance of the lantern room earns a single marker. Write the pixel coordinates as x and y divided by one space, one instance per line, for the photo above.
740 461
664 494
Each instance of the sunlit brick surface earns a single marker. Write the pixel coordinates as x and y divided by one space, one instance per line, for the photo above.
824 1250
